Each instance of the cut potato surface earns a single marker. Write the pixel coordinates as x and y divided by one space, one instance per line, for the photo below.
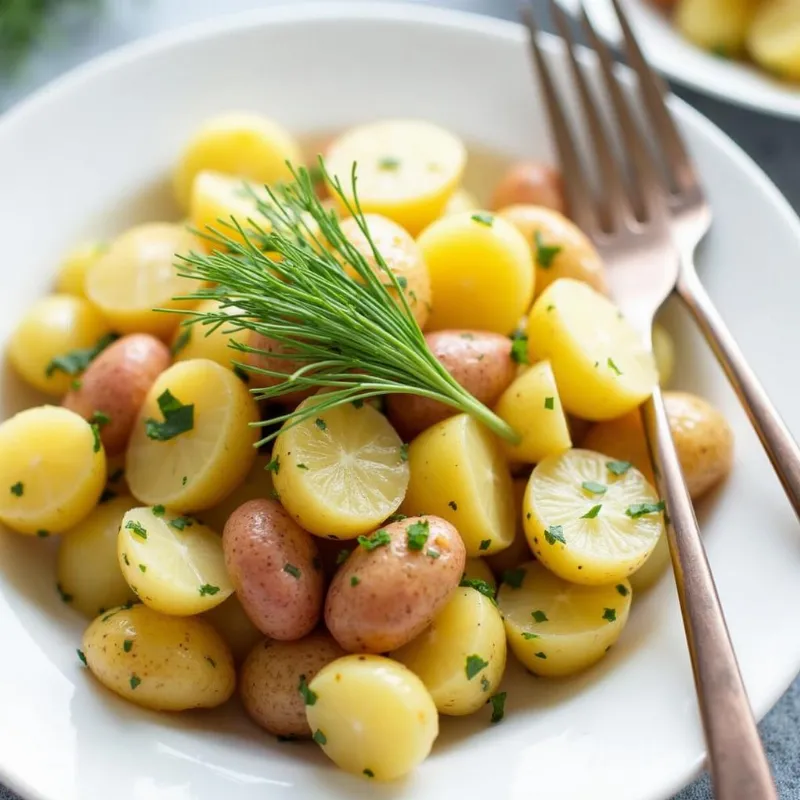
372 716
206 341
556 628
71 278
52 468
407 169
459 473
174 564
774 38
717 25
466 293
139 273
461 657
461 200
342 473
54 341
189 460
600 363
590 519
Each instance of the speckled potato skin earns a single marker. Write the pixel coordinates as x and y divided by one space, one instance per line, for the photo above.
275 363
480 361
116 383
260 540
530 182
397 591
270 678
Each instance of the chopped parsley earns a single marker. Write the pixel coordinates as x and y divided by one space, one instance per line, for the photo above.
388 163
498 702
618 467
377 539
594 488
292 570
76 384
519 348
309 697
302 466
417 534
549 403
108 494
142 567
18 489
127 645
274 465
540 655
96 436
319 737
211 661
433 554
321 424
178 418
357 403
42 533
555 533
125 559
453 505
622 589
610 614
479 585
528 636
116 475
483 218
75 361
485 685
183 339
513 577
100 418
404 452
208 589
545 253
183 480
369 773
137 528
355 580
135 681
179 523
342 556
82 657
485 544
641 509
612 366
592 512
397 518
241 373
474 665
539 616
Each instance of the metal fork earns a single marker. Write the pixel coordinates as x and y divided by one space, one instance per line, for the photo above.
632 230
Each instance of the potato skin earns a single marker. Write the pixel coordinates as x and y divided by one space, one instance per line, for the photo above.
116 383
275 363
270 679
480 361
261 542
382 598
530 182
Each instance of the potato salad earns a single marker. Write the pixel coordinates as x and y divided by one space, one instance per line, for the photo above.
356 554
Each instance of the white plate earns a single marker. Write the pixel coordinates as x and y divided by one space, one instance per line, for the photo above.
89 155
679 59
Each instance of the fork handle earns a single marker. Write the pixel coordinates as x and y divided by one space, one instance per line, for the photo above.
736 758
781 447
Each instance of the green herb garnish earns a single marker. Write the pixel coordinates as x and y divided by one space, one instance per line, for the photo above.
17 489
486 589
137 528
208 589
623 590
474 665
42 533
354 580
321 424
127 645
183 339
404 452
513 577
528 636
309 697
545 253
369 773
485 544
483 218
180 523
592 512
594 488
641 509
75 361
377 539
555 533
274 465
292 570
417 534
135 681
453 505
549 403
610 614
342 556
100 418
498 702
540 655
178 418
539 616
82 657
618 467
612 366
319 737
158 511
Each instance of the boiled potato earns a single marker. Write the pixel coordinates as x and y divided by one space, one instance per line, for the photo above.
55 340
557 628
518 551
652 569
407 169
458 472
591 520
600 363
207 341
87 568
276 569
466 294
480 362
114 386
139 273
461 657
274 682
235 627
393 584
54 468
270 356
71 278
530 183
477 569
372 716
340 474
558 247
773 39
402 257
531 406
193 441
236 143
717 25
461 200
159 662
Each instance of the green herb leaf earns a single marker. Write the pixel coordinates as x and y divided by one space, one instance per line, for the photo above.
342 556
612 366
498 702
142 567
100 419
528 636
433 554
519 348
474 665
75 361
178 418
137 528
485 544
396 518
610 614
417 534
18 489
513 577
540 655
594 488
354 580
319 737
453 505
484 219
302 466
545 253
485 685
321 424
208 589
274 465
292 570
180 343
369 773
96 436
127 645
555 533
180 523
592 512
135 681
539 616
641 509
377 539
158 511
309 697
618 467
549 403
388 163
622 589
42 534
82 657
404 452
486 589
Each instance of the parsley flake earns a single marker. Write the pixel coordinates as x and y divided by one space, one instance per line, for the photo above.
342 556
549 403
622 589
42 533
528 636
388 163
292 570
377 539
355 580
135 681
319 737
485 685
618 467
179 523
75 361
404 452
274 465
181 341
100 419
519 348
82 657
417 534
483 218
142 567
513 577
137 528
612 366
158 511
498 702
309 697
178 418
474 665
453 505
485 544
594 488
545 253
555 533
433 554
540 655
321 424
369 773
592 512
539 616
127 645
96 436
641 509
18 489
302 466
479 585
208 589
610 614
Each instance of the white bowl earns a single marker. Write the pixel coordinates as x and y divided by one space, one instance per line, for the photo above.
674 55
89 155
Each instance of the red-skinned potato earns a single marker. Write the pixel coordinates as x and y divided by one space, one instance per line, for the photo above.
392 586
481 362
275 568
115 384
530 182
275 363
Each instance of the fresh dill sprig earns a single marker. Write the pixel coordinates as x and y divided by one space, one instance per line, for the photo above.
349 327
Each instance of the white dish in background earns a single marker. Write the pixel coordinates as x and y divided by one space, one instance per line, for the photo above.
671 53
89 155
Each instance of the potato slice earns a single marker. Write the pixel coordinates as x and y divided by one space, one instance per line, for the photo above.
461 200
774 38
173 563
717 25
458 472
557 628
656 565
205 341
71 278
478 569
589 519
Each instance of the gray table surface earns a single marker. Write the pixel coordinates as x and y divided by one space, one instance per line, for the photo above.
74 37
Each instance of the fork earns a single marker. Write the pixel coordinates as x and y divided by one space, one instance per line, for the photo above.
631 229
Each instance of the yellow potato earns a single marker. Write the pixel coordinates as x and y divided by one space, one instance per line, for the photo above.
652 569
591 520
71 278
478 569
372 716
531 406
53 467
557 628
558 247
173 564
87 568
55 340
717 25
206 341
139 273
458 472
467 294
159 662
235 627
518 551
191 460
773 39
461 200
461 657
242 144
601 365
407 169
664 353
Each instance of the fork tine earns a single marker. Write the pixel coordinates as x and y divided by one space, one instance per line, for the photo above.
653 91
616 206
579 193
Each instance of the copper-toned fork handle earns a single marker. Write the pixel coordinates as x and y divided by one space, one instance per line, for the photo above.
779 444
739 768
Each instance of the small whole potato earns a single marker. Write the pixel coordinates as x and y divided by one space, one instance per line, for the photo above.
115 385
275 568
479 361
272 675
530 182
272 358
394 583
